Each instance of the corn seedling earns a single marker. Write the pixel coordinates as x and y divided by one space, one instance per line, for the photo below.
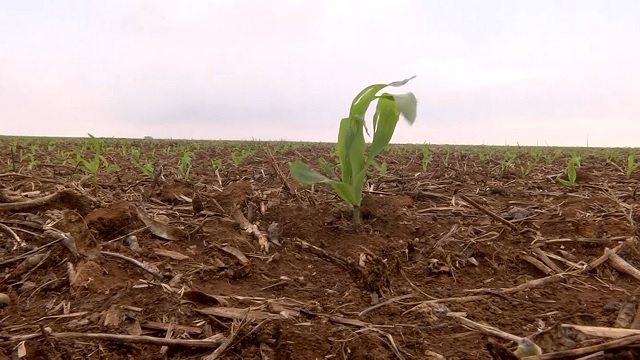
549 159
631 165
184 165
327 168
109 166
537 154
378 169
148 170
239 156
426 157
383 168
135 154
215 164
525 170
93 165
445 160
351 147
507 161
573 163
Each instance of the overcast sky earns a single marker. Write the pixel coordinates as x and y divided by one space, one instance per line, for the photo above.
534 72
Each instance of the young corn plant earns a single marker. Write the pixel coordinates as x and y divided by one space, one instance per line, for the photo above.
572 175
240 155
93 165
631 165
148 170
216 164
184 165
426 157
327 168
445 160
526 169
354 158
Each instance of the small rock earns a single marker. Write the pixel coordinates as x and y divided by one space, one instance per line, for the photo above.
516 213
4 300
132 242
273 230
612 306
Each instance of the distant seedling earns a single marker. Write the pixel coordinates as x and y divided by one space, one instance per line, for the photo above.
184 165
572 165
216 164
426 157
526 169
631 165
147 170
240 155
351 148
94 164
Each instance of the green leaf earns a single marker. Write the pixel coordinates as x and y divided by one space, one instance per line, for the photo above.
361 102
343 149
104 160
346 192
385 120
357 185
383 168
327 168
356 146
303 174
408 106
572 172
565 182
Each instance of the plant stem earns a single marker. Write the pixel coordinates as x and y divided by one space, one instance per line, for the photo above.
357 215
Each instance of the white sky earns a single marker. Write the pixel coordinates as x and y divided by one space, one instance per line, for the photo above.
546 71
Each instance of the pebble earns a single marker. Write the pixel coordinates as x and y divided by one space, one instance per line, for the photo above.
4 300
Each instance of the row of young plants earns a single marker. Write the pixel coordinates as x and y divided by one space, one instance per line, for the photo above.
93 155
33 150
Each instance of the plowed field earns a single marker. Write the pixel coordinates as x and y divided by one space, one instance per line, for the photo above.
237 261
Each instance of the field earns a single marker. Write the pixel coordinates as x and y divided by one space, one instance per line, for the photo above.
210 250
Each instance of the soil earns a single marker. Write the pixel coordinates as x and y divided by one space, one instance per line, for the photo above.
276 270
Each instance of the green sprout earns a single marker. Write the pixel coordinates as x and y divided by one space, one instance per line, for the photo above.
93 165
184 165
537 154
239 156
573 163
383 168
351 147
525 170
110 167
215 164
135 154
445 160
508 159
327 168
426 157
631 165
148 170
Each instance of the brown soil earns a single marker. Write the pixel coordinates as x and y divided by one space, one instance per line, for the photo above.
324 289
